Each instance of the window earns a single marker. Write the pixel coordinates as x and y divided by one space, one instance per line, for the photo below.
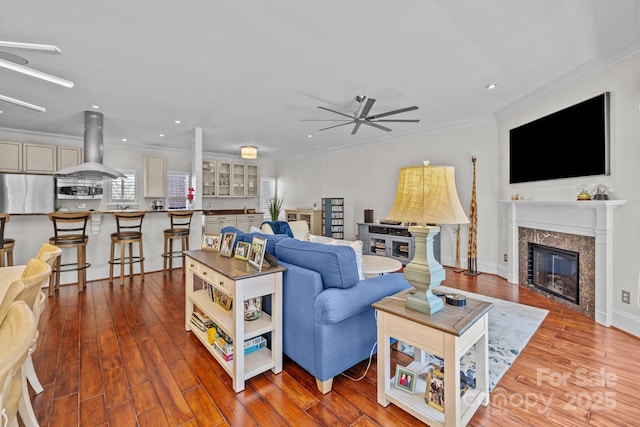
267 191
124 189
177 188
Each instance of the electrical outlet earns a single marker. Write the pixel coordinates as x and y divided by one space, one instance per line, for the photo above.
505 258
626 297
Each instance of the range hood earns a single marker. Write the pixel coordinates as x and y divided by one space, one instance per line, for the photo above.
92 168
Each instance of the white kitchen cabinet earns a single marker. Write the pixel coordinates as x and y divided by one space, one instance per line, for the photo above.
223 174
238 178
214 223
246 221
69 156
10 156
155 176
209 178
39 159
252 181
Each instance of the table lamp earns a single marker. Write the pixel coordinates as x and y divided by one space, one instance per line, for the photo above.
426 195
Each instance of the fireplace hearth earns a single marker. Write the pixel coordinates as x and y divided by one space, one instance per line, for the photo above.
554 270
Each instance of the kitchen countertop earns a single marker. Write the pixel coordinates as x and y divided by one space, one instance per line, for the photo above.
205 212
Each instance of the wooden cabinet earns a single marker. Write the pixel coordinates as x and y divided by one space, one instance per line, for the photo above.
10 156
333 217
18 157
214 223
239 281
245 222
223 179
155 176
209 178
253 181
226 179
39 159
69 156
313 218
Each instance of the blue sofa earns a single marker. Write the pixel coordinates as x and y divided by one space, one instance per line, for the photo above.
328 322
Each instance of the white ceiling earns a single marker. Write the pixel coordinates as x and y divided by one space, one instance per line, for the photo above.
249 72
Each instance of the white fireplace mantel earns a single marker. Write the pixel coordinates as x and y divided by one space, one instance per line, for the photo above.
587 218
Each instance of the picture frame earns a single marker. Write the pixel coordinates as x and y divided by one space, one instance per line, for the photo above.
226 244
406 379
258 246
210 242
243 250
434 391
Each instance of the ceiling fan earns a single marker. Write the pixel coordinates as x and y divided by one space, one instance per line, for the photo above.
361 116
17 63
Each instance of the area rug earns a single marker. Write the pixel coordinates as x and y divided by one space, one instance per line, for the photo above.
511 326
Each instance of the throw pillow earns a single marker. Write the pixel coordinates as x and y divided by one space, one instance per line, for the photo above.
356 245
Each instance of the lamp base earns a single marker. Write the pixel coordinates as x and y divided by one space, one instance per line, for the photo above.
426 303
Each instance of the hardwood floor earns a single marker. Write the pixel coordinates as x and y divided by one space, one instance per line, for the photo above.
119 356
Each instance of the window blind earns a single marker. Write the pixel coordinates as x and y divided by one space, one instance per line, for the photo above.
177 188
124 189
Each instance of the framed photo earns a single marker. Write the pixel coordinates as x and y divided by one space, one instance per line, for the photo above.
406 379
226 246
242 250
210 242
434 392
258 246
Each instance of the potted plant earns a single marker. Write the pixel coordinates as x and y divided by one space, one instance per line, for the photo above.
275 204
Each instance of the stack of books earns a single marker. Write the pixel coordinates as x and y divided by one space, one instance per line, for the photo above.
226 349
200 320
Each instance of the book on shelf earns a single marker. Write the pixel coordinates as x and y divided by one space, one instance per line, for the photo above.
226 350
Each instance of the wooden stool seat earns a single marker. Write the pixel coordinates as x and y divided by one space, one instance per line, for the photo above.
6 244
70 232
180 230
128 232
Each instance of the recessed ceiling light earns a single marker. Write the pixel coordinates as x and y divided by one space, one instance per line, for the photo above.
491 86
162 134
95 107
124 139
178 122
309 136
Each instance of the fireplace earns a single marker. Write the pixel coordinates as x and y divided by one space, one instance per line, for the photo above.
585 227
554 270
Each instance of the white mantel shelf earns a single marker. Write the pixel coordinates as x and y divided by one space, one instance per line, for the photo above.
587 218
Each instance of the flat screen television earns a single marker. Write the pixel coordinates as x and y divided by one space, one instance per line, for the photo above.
572 142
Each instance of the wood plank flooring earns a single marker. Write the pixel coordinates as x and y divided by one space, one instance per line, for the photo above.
119 356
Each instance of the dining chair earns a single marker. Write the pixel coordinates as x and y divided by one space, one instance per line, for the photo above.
50 254
17 334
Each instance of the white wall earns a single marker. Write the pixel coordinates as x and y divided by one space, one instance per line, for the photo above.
366 177
623 81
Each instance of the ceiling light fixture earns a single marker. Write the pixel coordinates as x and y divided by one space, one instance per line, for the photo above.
23 104
491 86
35 73
249 152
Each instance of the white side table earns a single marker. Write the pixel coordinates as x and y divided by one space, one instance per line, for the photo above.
374 265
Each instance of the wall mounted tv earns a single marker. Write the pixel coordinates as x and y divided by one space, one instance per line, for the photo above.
572 142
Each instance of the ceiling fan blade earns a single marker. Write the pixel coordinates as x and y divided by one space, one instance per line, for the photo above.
331 127
356 127
337 112
384 128
35 73
367 107
399 120
326 120
388 113
23 103
39 48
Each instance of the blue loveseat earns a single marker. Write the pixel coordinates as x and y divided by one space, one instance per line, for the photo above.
328 322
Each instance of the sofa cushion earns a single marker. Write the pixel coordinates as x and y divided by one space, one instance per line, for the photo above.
356 245
335 264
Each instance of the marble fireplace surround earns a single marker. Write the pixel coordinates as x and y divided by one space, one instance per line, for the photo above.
582 218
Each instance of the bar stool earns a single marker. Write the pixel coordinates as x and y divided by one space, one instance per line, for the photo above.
69 230
6 244
180 229
128 232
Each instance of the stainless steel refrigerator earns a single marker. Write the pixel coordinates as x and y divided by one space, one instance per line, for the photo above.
20 194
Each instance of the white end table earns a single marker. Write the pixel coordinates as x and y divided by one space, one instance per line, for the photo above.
374 265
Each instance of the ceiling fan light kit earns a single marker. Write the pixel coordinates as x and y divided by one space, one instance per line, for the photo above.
361 116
